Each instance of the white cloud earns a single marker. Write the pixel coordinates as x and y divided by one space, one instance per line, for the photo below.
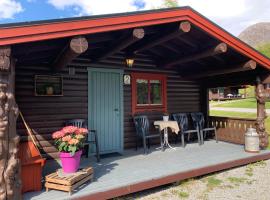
217 8
9 8
86 7
233 15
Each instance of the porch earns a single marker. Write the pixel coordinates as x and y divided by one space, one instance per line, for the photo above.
177 53
133 171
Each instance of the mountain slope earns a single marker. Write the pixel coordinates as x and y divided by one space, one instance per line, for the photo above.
257 34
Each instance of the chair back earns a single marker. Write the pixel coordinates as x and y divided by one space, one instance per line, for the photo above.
198 120
182 120
80 123
141 124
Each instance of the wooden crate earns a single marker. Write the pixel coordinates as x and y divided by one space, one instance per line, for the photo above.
68 184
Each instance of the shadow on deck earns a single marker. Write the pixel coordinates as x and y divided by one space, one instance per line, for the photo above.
133 171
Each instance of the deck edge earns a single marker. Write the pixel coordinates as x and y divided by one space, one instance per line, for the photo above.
112 193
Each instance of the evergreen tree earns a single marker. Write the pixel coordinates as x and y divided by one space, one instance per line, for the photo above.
170 3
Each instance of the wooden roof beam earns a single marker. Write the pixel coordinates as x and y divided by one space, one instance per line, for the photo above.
137 34
219 49
76 46
249 65
184 27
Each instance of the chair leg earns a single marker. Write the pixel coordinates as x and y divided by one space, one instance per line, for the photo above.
215 131
144 145
175 138
136 140
148 143
97 148
86 149
202 139
188 138
183 140
199 137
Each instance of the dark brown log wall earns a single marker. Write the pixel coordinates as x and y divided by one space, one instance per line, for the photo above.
48 114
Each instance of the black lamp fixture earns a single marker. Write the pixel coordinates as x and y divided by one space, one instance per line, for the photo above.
129 60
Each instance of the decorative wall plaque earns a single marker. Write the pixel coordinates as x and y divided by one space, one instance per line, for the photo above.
48 85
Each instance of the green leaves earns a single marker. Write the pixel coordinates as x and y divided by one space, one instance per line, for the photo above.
72 149
61 146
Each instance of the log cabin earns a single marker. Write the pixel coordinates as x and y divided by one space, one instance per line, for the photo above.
177 52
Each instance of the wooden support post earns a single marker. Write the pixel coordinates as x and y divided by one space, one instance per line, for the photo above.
75 47
261 96
10 184
218 49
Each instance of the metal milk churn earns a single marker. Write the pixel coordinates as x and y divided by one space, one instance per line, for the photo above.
252 142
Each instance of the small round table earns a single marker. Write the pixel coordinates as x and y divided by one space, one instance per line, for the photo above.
164 125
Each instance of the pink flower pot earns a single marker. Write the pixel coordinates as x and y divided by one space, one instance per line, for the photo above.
70 164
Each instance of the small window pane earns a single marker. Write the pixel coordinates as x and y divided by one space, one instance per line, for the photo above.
155 95
142 91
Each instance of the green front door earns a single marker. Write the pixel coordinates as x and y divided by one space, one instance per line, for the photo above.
105 108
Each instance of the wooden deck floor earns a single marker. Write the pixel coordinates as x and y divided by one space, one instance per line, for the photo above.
133 171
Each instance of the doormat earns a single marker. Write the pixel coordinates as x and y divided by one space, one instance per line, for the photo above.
110 155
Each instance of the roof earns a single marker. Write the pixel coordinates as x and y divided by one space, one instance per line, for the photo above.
16 33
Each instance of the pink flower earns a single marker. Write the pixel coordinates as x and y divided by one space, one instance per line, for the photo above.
58 134
73 141
79 136
66 138
81 131
69 129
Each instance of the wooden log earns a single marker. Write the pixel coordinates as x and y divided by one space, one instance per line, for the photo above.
75 47
10 186
250 65
261 96
218 49
5 58
184 27
137 34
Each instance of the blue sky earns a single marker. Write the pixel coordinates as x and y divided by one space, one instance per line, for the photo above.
233 15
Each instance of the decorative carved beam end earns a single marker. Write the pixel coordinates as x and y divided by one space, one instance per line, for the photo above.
138 33
221 48
250 65
185 26
73 49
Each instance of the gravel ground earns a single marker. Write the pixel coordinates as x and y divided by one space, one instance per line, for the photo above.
249 182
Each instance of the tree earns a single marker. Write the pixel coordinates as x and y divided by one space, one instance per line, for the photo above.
264 49
170 3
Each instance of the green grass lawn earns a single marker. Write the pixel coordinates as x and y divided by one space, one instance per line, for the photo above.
244 103
232 114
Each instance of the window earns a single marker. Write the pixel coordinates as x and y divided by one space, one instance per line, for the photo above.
148 92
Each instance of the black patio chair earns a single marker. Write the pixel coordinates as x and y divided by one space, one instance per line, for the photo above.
199 122
142 131
81 123
182 120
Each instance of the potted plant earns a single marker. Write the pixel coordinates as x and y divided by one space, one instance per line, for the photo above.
70 141
166 116
49 88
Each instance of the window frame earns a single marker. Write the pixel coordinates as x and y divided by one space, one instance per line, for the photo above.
141 108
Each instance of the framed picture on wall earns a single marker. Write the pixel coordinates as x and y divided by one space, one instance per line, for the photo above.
48 85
